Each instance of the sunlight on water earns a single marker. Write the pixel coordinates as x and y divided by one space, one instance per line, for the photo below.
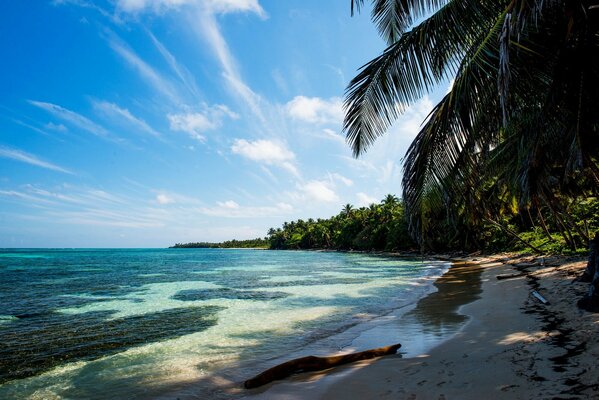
135 323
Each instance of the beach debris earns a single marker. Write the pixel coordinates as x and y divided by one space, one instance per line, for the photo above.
539 297
510 276
313 363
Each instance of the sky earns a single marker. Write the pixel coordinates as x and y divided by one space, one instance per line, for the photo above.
144 123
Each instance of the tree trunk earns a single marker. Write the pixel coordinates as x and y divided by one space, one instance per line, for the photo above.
589 272
590 302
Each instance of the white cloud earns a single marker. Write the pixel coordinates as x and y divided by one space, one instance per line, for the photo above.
319 191
262 150
192 124
229 204
316 110
72 117
346 181
196 123
230 6
266 152
163 198
230 209
31 159
215 6
113 110
332 135
365 200
134 6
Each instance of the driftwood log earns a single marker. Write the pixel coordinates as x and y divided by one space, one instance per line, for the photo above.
313 363
509 276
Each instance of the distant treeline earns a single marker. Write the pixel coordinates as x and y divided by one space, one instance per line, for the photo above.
376 227
384 227
229 244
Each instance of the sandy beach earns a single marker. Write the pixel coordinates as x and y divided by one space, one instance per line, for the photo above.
511 347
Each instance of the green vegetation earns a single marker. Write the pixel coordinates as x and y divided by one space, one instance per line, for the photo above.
513 146
377 227
229 244
384 227
507 160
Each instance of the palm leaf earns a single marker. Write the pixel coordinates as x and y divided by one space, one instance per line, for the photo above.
411 67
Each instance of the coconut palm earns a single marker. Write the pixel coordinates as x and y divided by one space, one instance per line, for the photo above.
519 121
347 210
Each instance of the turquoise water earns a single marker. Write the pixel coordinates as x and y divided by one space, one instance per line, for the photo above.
131 323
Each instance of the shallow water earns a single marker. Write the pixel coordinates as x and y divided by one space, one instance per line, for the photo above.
136 323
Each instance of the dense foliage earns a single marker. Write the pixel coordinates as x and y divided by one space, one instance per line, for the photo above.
257 243
377 227
384 227
514 145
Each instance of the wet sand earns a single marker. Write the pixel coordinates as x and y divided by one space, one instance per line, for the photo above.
512 346
433 320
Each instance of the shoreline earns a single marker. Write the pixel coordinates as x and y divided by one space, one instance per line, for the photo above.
361 332
428 322
512 346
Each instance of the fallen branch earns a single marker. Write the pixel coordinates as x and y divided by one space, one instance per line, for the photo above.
313 363
509 276
539 297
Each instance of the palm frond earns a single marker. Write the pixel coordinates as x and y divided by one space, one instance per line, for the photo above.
394 17
410 68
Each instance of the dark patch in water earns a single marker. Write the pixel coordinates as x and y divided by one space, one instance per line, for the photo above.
34 345
226 293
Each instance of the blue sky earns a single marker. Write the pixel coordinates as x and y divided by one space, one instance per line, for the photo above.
141 123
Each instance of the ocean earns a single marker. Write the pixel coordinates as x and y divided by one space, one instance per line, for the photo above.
143 323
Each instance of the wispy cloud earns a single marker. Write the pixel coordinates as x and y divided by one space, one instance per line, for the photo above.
338 177
365 200
197 123
334 136
73 118
182 73
56 127
113 110
147 72
208 30
31 159
29 126
231 209
214 6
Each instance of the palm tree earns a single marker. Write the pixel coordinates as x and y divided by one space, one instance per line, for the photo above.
390 200
347 210
518 123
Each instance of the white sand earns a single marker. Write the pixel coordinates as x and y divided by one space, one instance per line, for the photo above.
505 351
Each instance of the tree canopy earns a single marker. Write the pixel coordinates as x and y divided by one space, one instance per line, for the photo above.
517 134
